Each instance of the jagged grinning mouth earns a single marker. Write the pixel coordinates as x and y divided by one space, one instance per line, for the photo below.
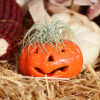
61 69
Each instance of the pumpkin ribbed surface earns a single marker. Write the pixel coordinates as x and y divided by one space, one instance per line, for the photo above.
64 62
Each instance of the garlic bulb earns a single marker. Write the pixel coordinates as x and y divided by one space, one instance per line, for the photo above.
87 34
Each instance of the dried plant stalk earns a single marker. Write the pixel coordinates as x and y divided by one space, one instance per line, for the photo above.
18 87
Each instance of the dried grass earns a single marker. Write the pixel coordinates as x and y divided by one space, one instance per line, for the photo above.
14 86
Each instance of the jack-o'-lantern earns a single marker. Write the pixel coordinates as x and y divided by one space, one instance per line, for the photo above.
64 60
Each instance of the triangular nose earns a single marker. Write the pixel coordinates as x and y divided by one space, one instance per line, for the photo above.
50 58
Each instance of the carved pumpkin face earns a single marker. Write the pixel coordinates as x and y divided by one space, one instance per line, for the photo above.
66 61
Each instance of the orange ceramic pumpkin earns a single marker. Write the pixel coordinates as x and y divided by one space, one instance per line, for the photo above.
66 61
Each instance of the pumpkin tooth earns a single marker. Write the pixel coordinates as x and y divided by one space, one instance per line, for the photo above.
63 68
58 69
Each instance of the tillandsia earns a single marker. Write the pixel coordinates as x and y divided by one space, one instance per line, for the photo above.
46 33
60 57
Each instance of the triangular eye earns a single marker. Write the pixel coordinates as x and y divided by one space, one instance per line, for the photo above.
50 58
36 50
